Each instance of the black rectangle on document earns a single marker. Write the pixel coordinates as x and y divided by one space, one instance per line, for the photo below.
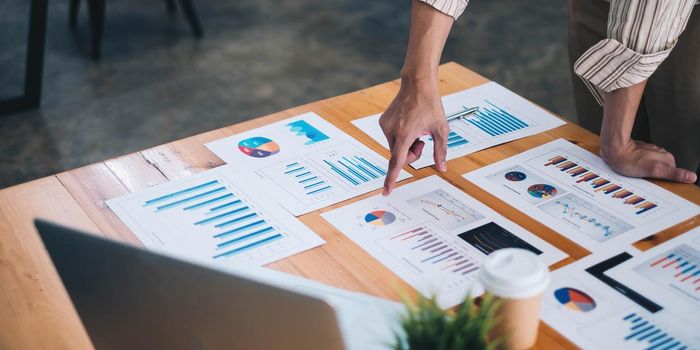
491 237
598 271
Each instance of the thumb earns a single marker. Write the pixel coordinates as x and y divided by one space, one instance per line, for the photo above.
662 171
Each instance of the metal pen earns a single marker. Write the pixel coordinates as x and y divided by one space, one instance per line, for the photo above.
461 114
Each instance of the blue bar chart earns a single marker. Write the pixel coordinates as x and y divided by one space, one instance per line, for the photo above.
237 226
356 170
634 329
311 182
208 217
644 331
494 120
350 166
454 140
304 180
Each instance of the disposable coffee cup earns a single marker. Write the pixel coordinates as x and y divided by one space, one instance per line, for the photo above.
517 278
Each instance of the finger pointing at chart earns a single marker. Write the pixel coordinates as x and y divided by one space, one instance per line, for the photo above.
412 114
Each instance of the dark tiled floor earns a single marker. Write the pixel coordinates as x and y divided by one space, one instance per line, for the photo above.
156 83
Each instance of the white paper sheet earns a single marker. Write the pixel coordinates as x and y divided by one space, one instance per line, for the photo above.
668 273
595 315
434 236
575 193
210 217
503 116
304 162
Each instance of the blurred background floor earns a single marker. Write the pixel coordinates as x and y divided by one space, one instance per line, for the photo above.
156 83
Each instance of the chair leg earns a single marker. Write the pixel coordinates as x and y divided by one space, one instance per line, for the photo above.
97 14
73 13
170 4
191 15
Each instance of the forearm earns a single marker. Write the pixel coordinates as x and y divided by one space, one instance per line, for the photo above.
619 112
429 31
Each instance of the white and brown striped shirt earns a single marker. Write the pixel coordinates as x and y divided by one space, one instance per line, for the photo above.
641 34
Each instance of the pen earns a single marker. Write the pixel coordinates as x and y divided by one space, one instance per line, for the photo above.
461 114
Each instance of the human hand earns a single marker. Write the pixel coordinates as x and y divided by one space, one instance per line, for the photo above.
641 159
415 112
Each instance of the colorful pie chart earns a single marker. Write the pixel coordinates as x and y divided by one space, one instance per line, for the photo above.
542 191
574 299
380 218
258 147
515 176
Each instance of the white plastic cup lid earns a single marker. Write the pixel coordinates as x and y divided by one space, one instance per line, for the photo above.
514 273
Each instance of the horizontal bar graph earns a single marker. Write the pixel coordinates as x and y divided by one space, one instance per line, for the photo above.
249 246
427 248
306 179
643 330
235 225
494 120
181 192
600 184
191 198
454 140
678 269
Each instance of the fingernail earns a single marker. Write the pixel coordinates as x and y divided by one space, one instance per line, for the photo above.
385 192
442 167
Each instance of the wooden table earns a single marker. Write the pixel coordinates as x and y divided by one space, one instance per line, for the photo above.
35 311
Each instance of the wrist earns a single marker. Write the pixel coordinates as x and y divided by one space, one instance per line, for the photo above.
420 78
613 148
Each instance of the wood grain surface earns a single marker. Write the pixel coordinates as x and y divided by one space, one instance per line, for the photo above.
35 311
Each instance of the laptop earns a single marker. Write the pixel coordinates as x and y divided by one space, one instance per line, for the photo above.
131 298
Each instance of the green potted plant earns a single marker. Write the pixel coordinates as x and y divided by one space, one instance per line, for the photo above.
425 325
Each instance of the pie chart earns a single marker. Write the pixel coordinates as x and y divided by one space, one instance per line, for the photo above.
542 191
258 147
380 218
574 299
515 176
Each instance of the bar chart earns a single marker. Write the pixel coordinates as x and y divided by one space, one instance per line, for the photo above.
303 180
494 120
642 330
600 184
315 164
350 165
634 330
454 140
238 227
676 270
208 217
431 254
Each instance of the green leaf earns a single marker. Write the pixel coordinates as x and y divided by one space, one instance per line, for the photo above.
425 325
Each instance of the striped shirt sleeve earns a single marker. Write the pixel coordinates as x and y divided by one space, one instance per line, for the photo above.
641 34
453 8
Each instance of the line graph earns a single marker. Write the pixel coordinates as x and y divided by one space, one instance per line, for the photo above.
447 211
586 217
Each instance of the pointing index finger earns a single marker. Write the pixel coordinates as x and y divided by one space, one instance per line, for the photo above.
397 161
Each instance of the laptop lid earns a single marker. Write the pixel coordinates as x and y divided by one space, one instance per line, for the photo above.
128 297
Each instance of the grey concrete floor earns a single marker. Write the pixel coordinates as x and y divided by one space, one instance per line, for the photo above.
156 83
